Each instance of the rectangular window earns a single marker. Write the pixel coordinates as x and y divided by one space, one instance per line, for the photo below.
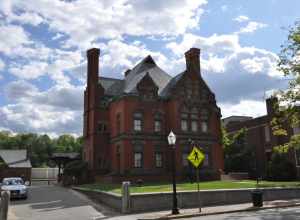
204 126
101 127
137 125
118 123
296 130
206 161
194 126
157 126
267 134
158 160
184 125
185 161
138 159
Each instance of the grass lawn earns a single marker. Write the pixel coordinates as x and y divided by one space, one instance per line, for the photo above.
167 187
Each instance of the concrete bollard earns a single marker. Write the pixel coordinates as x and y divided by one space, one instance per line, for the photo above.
5 198
126 197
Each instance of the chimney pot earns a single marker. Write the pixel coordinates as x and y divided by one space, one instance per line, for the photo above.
192 57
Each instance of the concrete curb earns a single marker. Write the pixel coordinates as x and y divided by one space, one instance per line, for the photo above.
218 213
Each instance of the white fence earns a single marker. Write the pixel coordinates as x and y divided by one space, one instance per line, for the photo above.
44 173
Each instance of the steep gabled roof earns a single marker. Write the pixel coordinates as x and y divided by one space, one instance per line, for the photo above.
147 65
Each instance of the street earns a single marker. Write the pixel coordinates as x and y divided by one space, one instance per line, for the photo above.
53 203
268 214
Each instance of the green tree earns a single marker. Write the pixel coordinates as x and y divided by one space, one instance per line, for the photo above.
238 154
281 167
289 64
40 147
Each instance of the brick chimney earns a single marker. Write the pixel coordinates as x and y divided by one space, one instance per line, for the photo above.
192 58
272 104
93 65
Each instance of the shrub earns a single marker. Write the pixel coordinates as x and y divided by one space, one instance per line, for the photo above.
76 168
75 172
280 168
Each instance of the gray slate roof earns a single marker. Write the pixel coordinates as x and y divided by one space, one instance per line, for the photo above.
116 87
15 158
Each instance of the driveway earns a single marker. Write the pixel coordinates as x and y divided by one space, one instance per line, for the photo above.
53 203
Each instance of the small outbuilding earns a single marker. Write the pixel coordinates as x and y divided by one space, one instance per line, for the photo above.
15 163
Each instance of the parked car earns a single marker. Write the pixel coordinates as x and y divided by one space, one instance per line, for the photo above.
16 187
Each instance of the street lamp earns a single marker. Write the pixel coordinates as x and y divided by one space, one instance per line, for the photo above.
171 141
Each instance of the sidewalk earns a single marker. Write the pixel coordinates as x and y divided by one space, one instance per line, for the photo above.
185 213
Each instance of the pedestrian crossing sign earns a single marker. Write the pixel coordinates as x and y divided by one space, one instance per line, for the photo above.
196 157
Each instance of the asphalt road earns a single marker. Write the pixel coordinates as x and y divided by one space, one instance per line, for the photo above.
56 203
268 214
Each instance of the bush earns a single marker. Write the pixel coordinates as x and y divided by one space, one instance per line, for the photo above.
75 172
280 168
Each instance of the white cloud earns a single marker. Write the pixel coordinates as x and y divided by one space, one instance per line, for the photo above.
244 108
12 36
30 71
224 8
241 18
40 119
2 65
234 72
112 19
56 110
26 18
251 27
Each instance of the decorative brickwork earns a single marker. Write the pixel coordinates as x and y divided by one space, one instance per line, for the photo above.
127 121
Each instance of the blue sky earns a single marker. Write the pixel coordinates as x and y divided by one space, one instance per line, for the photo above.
43 44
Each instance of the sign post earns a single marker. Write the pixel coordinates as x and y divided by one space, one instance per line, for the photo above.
196 157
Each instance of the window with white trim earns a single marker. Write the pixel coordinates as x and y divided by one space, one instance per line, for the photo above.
137 121
158 160
138 159
185 162
157 125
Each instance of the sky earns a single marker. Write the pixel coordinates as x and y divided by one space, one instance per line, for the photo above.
43 47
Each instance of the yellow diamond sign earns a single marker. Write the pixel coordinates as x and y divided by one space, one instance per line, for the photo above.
196 157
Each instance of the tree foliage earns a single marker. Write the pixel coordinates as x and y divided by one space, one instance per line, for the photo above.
280 167
289 64
238 154
40 147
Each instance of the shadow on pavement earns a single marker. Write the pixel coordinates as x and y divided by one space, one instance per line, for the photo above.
269 214
45 198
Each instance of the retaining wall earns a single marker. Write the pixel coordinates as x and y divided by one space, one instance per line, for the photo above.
163 201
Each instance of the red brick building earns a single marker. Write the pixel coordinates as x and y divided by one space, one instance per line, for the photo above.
127 121
259 135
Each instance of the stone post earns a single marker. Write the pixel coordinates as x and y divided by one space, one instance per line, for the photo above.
126 197
5 197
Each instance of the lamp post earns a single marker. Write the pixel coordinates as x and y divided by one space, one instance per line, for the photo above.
172 141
